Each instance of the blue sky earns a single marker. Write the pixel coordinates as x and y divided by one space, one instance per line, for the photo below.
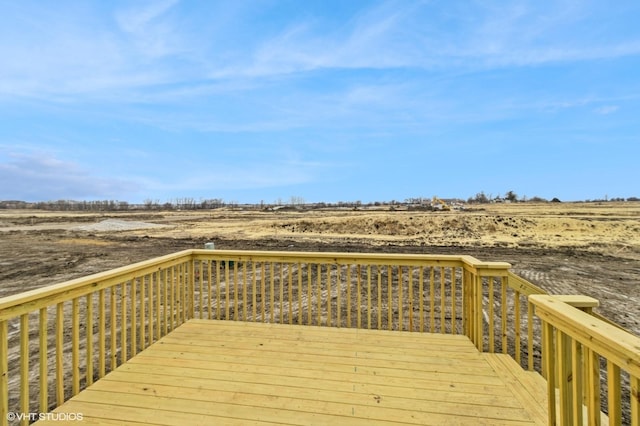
321 100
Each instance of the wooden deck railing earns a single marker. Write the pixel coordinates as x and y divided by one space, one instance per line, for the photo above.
57 340
574 341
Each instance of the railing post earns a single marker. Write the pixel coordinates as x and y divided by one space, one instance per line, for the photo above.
477 271
470 290
590 340
466 288
570 366
478 319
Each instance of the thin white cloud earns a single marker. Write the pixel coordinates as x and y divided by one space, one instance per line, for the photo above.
607 109
406 35
151 35
41 176
136 19
157 48
371 39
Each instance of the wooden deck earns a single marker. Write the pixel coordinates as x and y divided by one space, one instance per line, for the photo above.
226 372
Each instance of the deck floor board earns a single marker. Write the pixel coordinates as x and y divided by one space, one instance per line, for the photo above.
226 372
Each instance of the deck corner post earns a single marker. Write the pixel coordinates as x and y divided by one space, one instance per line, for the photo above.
466 277
478 311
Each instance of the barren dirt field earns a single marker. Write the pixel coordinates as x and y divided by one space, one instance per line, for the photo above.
565 248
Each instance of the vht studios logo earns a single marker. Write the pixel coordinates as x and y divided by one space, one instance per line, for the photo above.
54 417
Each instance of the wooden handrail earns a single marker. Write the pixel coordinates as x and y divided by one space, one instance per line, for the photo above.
28 301
573 342
610 342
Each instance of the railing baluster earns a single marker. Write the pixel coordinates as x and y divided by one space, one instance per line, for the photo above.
227 285
281 302
134 316
548 357
176 297
24 366
400 298
517 328
75 347
112 324
44 359
491 317
166 301
191 289
236 290
254 289
464 302
410 296
143 295
389 297
503 315
59 353
4 372
218 290
102 335
319 292
348 281
89 336
150 312
369 296
123 323
329 313
271 292
421 297
454 301
290 269
185 296
210 286
338 295
200 278
379 315
593 386
564 390
613 393
359 296
245 288
180 301
530 324
263 287
443 295
432 299
634 397
158 295
577 384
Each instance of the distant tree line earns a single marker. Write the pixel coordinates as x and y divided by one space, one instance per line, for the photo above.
512 197
294 202
67 205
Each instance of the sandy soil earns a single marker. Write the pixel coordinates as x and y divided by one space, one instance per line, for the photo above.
566 248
